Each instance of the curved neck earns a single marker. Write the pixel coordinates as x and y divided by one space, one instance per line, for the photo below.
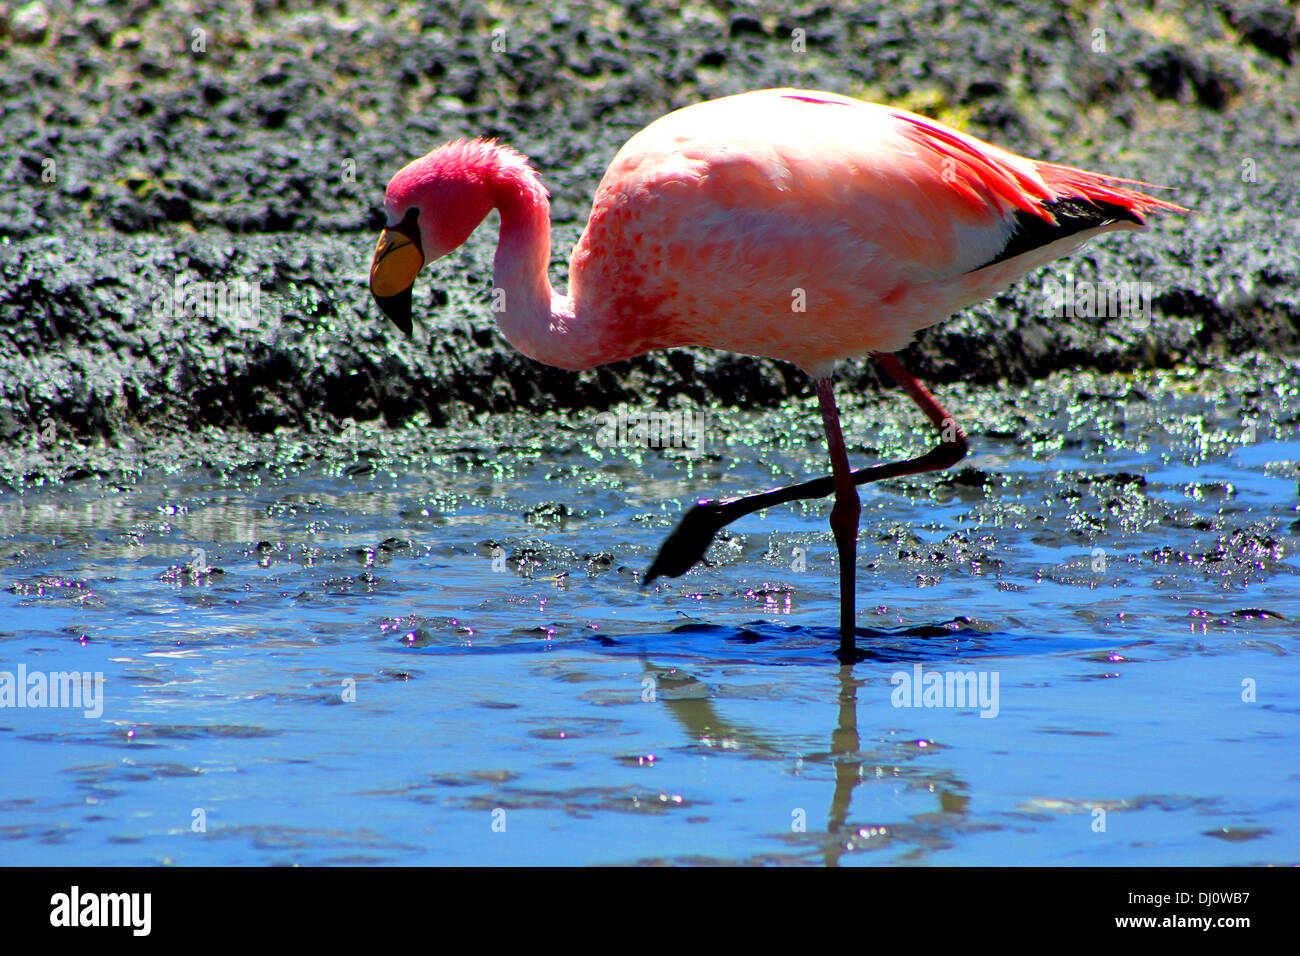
530 314
533 317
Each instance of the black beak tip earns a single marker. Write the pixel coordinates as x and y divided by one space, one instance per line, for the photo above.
398 309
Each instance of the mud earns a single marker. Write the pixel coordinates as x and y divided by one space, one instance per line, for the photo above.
152 147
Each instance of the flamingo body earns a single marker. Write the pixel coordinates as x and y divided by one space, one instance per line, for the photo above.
796 225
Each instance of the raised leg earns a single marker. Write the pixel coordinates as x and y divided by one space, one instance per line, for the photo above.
952 438
685 546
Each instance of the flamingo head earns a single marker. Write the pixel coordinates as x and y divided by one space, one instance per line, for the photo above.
432 206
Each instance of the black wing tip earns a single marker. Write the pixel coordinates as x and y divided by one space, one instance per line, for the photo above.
1070 215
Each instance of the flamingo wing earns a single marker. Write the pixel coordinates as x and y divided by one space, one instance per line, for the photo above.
712 220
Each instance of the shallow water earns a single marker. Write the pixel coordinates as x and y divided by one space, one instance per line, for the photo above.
446 657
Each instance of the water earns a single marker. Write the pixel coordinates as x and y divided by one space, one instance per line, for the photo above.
445 657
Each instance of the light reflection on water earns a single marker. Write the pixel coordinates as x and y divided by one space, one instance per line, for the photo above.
453 662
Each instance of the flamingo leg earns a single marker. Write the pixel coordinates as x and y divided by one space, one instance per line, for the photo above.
685 546
844 515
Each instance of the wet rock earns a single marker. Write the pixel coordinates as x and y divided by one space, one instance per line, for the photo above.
1271 27
29 23
1170 70
743 24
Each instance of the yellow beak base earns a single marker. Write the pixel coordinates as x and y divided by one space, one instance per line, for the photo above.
398 260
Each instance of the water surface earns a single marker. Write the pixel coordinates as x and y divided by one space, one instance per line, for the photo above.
351 652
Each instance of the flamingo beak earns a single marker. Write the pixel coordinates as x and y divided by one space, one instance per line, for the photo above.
398 260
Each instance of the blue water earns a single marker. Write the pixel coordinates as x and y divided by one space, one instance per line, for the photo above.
493 686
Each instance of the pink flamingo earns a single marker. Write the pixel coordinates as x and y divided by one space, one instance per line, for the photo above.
796 225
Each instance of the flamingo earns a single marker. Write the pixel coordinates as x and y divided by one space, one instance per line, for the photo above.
791 224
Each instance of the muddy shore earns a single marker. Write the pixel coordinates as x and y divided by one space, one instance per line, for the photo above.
149 147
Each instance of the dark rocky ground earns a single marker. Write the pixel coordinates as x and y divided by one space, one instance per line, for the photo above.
226 142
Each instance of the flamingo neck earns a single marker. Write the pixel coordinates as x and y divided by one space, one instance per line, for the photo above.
533 317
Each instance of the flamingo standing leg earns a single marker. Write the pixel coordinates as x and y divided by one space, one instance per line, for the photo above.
844 515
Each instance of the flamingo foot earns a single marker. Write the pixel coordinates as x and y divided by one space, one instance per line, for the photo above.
685 547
